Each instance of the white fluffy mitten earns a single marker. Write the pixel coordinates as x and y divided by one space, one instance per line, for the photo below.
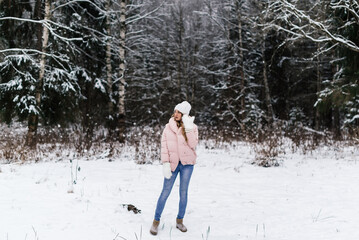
167 170
188 122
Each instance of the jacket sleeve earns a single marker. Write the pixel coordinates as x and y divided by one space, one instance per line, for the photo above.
192 137
165 157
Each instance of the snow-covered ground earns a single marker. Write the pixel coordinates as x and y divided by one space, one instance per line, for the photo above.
313 196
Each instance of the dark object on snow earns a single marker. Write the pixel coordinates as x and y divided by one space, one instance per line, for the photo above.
132 208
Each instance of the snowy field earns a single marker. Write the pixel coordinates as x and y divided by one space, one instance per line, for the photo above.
313 196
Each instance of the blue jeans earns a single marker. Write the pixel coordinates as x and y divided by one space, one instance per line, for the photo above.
185 172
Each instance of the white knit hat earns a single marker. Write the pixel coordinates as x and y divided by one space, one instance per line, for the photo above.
184 107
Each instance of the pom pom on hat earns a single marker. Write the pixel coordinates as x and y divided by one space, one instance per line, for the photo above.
183 107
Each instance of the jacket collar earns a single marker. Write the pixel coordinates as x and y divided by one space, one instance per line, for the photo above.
173 125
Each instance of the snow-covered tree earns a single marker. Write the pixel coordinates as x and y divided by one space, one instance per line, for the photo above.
233 60
166 70
40 75
337 35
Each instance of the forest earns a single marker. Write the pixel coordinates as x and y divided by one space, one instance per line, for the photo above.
87 86
244 65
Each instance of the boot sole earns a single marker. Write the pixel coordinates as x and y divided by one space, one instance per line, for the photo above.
181 229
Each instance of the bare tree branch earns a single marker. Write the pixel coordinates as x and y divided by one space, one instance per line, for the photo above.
289 10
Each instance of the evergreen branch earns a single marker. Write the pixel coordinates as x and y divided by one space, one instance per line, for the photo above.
47 25
24 50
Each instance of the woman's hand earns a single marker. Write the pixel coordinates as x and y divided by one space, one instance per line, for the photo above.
167 170
187 122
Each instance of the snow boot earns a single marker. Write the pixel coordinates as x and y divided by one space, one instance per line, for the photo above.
154 227
180 226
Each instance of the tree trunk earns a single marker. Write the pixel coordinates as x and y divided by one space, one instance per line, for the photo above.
266 86
336 123
193 82
241 57
121 101
180 63
34 116
319 80
111 118
268 101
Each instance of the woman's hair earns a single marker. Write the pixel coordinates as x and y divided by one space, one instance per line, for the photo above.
180 124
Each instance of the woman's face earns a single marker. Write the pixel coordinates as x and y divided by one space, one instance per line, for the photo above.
177 115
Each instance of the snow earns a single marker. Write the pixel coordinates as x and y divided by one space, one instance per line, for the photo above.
312 196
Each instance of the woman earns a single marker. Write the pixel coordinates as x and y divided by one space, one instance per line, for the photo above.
178 155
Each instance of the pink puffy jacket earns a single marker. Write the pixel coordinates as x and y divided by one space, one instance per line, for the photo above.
174 147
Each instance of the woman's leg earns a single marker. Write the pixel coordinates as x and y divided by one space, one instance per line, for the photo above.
185 177
166 190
